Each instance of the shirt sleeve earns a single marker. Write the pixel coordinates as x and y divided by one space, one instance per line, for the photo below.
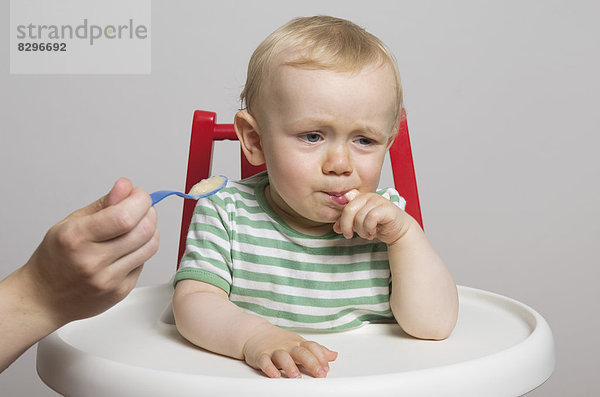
393 195
207 256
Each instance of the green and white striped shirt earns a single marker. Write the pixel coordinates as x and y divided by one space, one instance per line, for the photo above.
296 281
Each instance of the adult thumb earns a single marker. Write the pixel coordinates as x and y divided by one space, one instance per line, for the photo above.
120 190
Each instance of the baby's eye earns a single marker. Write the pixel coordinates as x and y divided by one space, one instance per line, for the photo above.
364 141
311 137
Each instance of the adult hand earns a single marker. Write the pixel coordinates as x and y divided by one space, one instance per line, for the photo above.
93 258
86 263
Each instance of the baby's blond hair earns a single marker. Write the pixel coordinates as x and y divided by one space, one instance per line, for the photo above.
319 42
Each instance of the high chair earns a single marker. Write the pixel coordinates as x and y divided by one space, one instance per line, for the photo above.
500 347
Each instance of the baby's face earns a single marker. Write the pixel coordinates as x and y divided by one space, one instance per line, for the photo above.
324 133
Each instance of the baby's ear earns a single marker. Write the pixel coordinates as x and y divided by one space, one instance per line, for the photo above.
395 129
247 132
391 140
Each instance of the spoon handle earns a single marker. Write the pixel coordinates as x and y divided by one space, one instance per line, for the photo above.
205 188
161 194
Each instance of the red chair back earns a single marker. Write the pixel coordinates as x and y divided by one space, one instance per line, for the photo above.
205 131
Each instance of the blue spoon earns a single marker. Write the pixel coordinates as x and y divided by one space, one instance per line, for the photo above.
204 188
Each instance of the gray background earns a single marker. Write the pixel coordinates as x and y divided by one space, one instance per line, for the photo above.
502 100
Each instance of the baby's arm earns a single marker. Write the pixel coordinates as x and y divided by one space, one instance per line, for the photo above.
424 299
206 317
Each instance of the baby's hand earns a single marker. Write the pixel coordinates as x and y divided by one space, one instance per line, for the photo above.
371 215
271 348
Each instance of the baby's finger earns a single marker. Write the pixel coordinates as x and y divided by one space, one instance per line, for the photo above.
266 365
366 221
358 224
331 355
343 224
309 361
372 221
351 195
321 353
283 360
346 221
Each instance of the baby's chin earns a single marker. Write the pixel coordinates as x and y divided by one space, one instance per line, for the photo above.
321 219
328 218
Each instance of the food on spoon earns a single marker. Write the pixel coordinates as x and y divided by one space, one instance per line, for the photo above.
207 185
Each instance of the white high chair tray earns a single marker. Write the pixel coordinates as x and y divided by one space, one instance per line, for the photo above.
500 347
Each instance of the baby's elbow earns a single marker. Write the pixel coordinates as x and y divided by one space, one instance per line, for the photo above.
436 328
442 333
439 332
426 323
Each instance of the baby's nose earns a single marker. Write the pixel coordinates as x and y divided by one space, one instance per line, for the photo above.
338 161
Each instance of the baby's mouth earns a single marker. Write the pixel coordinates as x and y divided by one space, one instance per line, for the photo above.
338 197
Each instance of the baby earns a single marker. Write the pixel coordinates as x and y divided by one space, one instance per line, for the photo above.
311 244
